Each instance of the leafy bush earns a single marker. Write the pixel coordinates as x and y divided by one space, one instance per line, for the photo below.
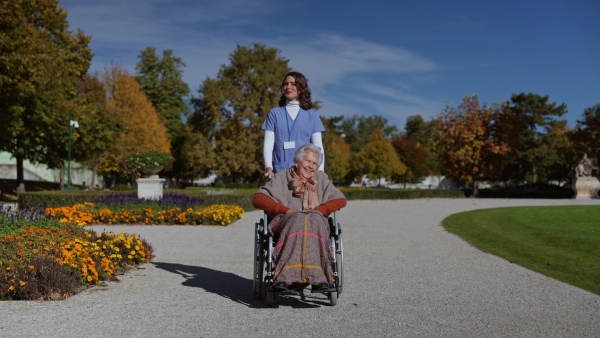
51 199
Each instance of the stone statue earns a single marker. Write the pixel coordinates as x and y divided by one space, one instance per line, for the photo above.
585 185
585 167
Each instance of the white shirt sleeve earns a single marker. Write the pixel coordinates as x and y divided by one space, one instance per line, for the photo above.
317 140
268 148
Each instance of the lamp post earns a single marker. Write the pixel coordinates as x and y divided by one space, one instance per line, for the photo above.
73 124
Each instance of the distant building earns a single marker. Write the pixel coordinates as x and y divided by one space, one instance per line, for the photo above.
41 173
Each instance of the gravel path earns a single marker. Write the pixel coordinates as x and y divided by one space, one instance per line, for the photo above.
405 276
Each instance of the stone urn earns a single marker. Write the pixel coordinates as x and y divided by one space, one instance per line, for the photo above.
153 171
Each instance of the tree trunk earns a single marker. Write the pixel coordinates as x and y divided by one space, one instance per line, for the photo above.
533 173
61 176
475 193
93 180
20 171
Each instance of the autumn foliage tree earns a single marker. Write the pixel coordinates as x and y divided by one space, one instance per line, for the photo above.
338 160
415 155
378 159
139 125
465 141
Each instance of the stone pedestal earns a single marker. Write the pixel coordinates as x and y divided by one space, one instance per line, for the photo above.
150 188
586 188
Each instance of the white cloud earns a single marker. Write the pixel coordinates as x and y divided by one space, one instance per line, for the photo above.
348 74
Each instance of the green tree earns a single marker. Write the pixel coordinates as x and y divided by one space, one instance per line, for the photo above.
587 132
161 80
378 159
532 118
231 109
40 58
419 130
194 155
357 129
98 128
466 143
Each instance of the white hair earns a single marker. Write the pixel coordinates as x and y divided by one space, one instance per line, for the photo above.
299 155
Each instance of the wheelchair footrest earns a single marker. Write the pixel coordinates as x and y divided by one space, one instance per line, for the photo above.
324 290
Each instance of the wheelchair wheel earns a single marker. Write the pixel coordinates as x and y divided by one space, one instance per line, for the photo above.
339 259
257 279
333 296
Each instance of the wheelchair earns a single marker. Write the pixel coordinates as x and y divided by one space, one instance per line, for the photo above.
264 265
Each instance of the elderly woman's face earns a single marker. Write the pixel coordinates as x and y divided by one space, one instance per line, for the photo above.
308 165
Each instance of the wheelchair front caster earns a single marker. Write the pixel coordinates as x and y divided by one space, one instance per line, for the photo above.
270 298
333 296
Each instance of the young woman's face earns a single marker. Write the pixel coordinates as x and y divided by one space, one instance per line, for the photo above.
289 88
308 165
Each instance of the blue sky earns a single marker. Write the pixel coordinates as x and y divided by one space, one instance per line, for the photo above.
380 57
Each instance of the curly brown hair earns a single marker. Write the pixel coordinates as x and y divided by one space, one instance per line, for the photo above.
303 91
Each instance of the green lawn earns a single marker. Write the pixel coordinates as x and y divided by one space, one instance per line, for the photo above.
562 242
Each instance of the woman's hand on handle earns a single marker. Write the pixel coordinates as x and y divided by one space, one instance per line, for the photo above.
268 174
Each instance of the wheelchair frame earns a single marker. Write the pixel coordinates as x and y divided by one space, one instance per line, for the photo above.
263 287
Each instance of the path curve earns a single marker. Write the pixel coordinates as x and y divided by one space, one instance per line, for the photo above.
405 276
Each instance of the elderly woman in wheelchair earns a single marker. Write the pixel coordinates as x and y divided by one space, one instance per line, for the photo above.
297 241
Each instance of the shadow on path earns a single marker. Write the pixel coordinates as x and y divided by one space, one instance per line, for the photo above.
232 286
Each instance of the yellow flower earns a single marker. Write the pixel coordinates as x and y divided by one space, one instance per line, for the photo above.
21 284
11 288
31 267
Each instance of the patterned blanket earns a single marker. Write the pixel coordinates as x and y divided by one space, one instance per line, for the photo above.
302 253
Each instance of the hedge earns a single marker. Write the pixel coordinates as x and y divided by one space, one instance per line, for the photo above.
55 199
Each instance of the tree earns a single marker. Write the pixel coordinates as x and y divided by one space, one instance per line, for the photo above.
532 118
357 129
39 61
588 131
465 141
338 159
415 155
378 158
161 80
231 109
139 129
419 130
194 154
98 128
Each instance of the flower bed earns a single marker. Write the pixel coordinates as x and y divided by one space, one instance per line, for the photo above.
55 263
88 213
